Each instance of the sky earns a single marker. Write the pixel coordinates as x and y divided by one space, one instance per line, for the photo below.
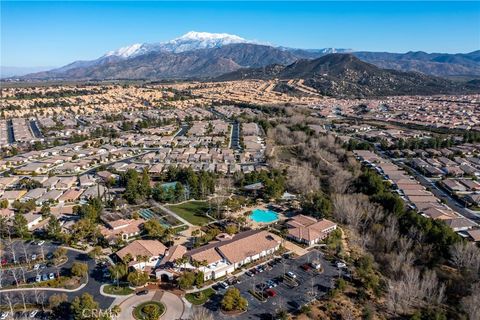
56 33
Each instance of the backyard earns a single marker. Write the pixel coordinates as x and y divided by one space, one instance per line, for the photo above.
193 211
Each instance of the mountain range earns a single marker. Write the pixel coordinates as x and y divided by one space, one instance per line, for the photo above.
201 55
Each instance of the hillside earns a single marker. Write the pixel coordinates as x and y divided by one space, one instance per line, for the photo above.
346 75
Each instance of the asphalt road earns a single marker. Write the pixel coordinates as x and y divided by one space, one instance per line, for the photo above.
312 284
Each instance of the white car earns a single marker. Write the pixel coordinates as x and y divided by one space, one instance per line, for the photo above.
4 315
291 275
51 276
33 313
38 278
224 285
36 267
34 256
341 265
40 243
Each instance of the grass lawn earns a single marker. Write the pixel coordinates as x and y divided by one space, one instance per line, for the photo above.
200 297
119 291
193 211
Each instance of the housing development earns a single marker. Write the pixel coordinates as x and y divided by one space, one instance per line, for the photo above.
124 196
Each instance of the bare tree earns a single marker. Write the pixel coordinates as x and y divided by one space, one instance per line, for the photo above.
340 181
9 301
466 256
200 313
471 303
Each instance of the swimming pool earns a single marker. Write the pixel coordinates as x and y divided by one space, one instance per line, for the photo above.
265 216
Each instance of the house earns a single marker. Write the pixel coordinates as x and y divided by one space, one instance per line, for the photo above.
144 253
93 192
454 186
474 234
309 230
33 219
87 180
34 194
51 195
460 224
228 253
122 228
66 183
12 195
70 196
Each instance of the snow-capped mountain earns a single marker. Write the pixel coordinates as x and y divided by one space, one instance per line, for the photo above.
201 40
190 41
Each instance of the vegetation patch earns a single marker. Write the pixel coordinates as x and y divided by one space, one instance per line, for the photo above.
117 290
200 297
257 295
151 310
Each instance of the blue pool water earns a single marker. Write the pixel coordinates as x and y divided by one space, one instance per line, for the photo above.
265 216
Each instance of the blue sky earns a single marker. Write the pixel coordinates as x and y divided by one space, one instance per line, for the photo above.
56 33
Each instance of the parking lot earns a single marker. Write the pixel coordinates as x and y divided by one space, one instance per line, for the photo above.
33 260
38 296
310 284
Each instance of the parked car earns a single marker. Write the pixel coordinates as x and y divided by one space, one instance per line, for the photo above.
40 243
249 273
44 277
271 292
49 256
224 285
51 276
291 275
33 313
38 278
341 264
306 267
4 315
142 293
4 261
34 256
36 267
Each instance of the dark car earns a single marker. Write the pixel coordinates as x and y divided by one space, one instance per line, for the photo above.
306 267
142 292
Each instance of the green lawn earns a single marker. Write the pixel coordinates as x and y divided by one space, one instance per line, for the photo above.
200 297
119 291
193 211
